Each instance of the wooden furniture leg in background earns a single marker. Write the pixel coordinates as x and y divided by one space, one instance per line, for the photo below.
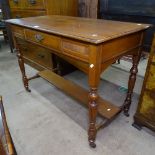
132 80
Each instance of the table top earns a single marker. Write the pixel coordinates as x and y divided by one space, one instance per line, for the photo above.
90 30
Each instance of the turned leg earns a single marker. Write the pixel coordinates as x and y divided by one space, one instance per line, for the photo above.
131 83
94 80
22 68
92 116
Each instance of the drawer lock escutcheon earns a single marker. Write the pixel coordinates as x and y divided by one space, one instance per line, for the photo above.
39 37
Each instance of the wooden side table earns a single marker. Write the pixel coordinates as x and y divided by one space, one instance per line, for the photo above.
89 44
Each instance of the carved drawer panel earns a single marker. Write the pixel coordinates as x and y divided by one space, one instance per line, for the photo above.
16 3
148 107
74 49
17 31
36 54
35 4
150 84
26 13
43 39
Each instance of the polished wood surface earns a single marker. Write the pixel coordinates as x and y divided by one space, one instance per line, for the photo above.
145 115
90 45
6 143
90 30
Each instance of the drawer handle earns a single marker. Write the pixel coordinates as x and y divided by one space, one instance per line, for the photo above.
15 1
32 1
41 56
39 37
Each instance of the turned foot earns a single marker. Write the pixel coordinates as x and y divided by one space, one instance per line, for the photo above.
28 90
126 111
92 144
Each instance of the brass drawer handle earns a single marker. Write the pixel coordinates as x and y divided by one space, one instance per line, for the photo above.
39 37
41 56
15 1
32 1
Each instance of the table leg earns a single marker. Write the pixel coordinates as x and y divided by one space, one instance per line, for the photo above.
22 68
92 116
94 80
131 83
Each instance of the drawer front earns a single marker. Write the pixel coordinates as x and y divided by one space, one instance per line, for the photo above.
16 3
150 84
23 13
36 54
17 31
74 49
35 4
47 40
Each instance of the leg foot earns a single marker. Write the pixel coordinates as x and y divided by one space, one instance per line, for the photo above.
126 113
28 90
92 144
126 109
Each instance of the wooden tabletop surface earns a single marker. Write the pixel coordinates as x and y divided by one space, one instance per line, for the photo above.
91 30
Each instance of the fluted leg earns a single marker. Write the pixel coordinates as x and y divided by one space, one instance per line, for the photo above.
92 116
22 68
131 83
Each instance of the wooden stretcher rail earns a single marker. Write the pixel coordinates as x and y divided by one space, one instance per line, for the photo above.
105 108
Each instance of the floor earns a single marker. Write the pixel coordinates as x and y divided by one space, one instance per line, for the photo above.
122 72
48 122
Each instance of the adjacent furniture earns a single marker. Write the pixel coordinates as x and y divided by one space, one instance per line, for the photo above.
145 115
3 27
6 143
6 15
89 44
27 8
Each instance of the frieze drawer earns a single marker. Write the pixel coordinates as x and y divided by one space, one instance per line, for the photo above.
75 50
50 41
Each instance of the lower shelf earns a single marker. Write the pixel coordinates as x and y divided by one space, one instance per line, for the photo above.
105 108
